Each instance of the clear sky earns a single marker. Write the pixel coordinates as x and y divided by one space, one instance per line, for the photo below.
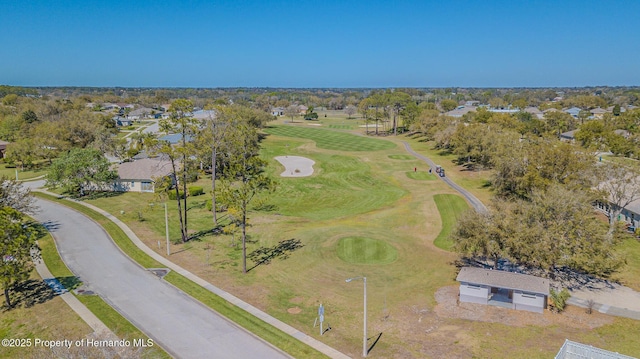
322 43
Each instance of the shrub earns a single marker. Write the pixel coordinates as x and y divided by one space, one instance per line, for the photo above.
172 195
195 190
558 299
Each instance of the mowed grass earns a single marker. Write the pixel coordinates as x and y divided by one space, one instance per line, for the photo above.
401 157
421 175
630 273
362 250
450 206
22 175
332 140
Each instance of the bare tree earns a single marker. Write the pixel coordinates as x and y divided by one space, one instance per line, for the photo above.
350 111
292 111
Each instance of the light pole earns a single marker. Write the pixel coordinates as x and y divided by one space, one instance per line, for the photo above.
364 337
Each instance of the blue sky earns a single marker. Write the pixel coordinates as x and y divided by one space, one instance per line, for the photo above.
320 43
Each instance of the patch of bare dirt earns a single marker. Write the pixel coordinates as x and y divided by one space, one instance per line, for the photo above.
294 310
296 300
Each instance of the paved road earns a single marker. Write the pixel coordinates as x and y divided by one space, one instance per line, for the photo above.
182 326
479 206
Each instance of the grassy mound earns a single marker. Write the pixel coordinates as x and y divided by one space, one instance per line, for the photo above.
360 250
332 140
450 206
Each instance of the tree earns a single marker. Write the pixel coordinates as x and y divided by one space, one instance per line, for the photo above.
183 123
291 111
556 228
81 171
17 239
448 105
620 186
243 180
14 195
350 110
29 116
616 110
310 115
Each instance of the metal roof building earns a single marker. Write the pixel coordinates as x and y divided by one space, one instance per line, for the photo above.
573 350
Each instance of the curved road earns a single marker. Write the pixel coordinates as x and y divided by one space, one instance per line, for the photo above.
182 326
477 205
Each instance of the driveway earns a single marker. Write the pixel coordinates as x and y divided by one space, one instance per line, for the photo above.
182 326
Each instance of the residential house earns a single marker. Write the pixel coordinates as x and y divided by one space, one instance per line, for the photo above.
503 289
568 136
573 111
535 112
277 111
3 148
141 175
203 114
598 113
141 113
460 111
122 121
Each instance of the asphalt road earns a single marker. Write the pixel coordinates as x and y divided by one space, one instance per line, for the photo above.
183 327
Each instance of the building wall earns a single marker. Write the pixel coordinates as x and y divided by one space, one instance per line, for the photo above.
472 293
532 302
133 186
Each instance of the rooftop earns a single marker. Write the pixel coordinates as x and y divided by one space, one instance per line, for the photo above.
501 279
144 169
573 350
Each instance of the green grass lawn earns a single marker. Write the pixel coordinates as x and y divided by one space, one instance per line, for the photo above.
450 206
360 250
10 173
401 157
421 175
332 140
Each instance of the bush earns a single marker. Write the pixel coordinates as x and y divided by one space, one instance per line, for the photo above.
195 190
172 195
558 300
208 204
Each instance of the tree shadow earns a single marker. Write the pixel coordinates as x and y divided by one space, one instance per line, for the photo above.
70 282
29 293
98 195
264 255
374 343
205 232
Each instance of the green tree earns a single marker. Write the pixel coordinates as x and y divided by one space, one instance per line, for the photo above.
310 114
243 180
183 123
448 105
17 239
81 171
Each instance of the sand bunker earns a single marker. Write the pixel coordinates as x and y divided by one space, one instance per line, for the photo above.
296 166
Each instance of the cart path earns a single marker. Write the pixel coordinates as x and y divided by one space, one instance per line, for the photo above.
475 202
182 326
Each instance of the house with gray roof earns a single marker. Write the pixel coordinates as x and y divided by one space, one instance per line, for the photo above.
141 175
503 289
574 111
460 111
